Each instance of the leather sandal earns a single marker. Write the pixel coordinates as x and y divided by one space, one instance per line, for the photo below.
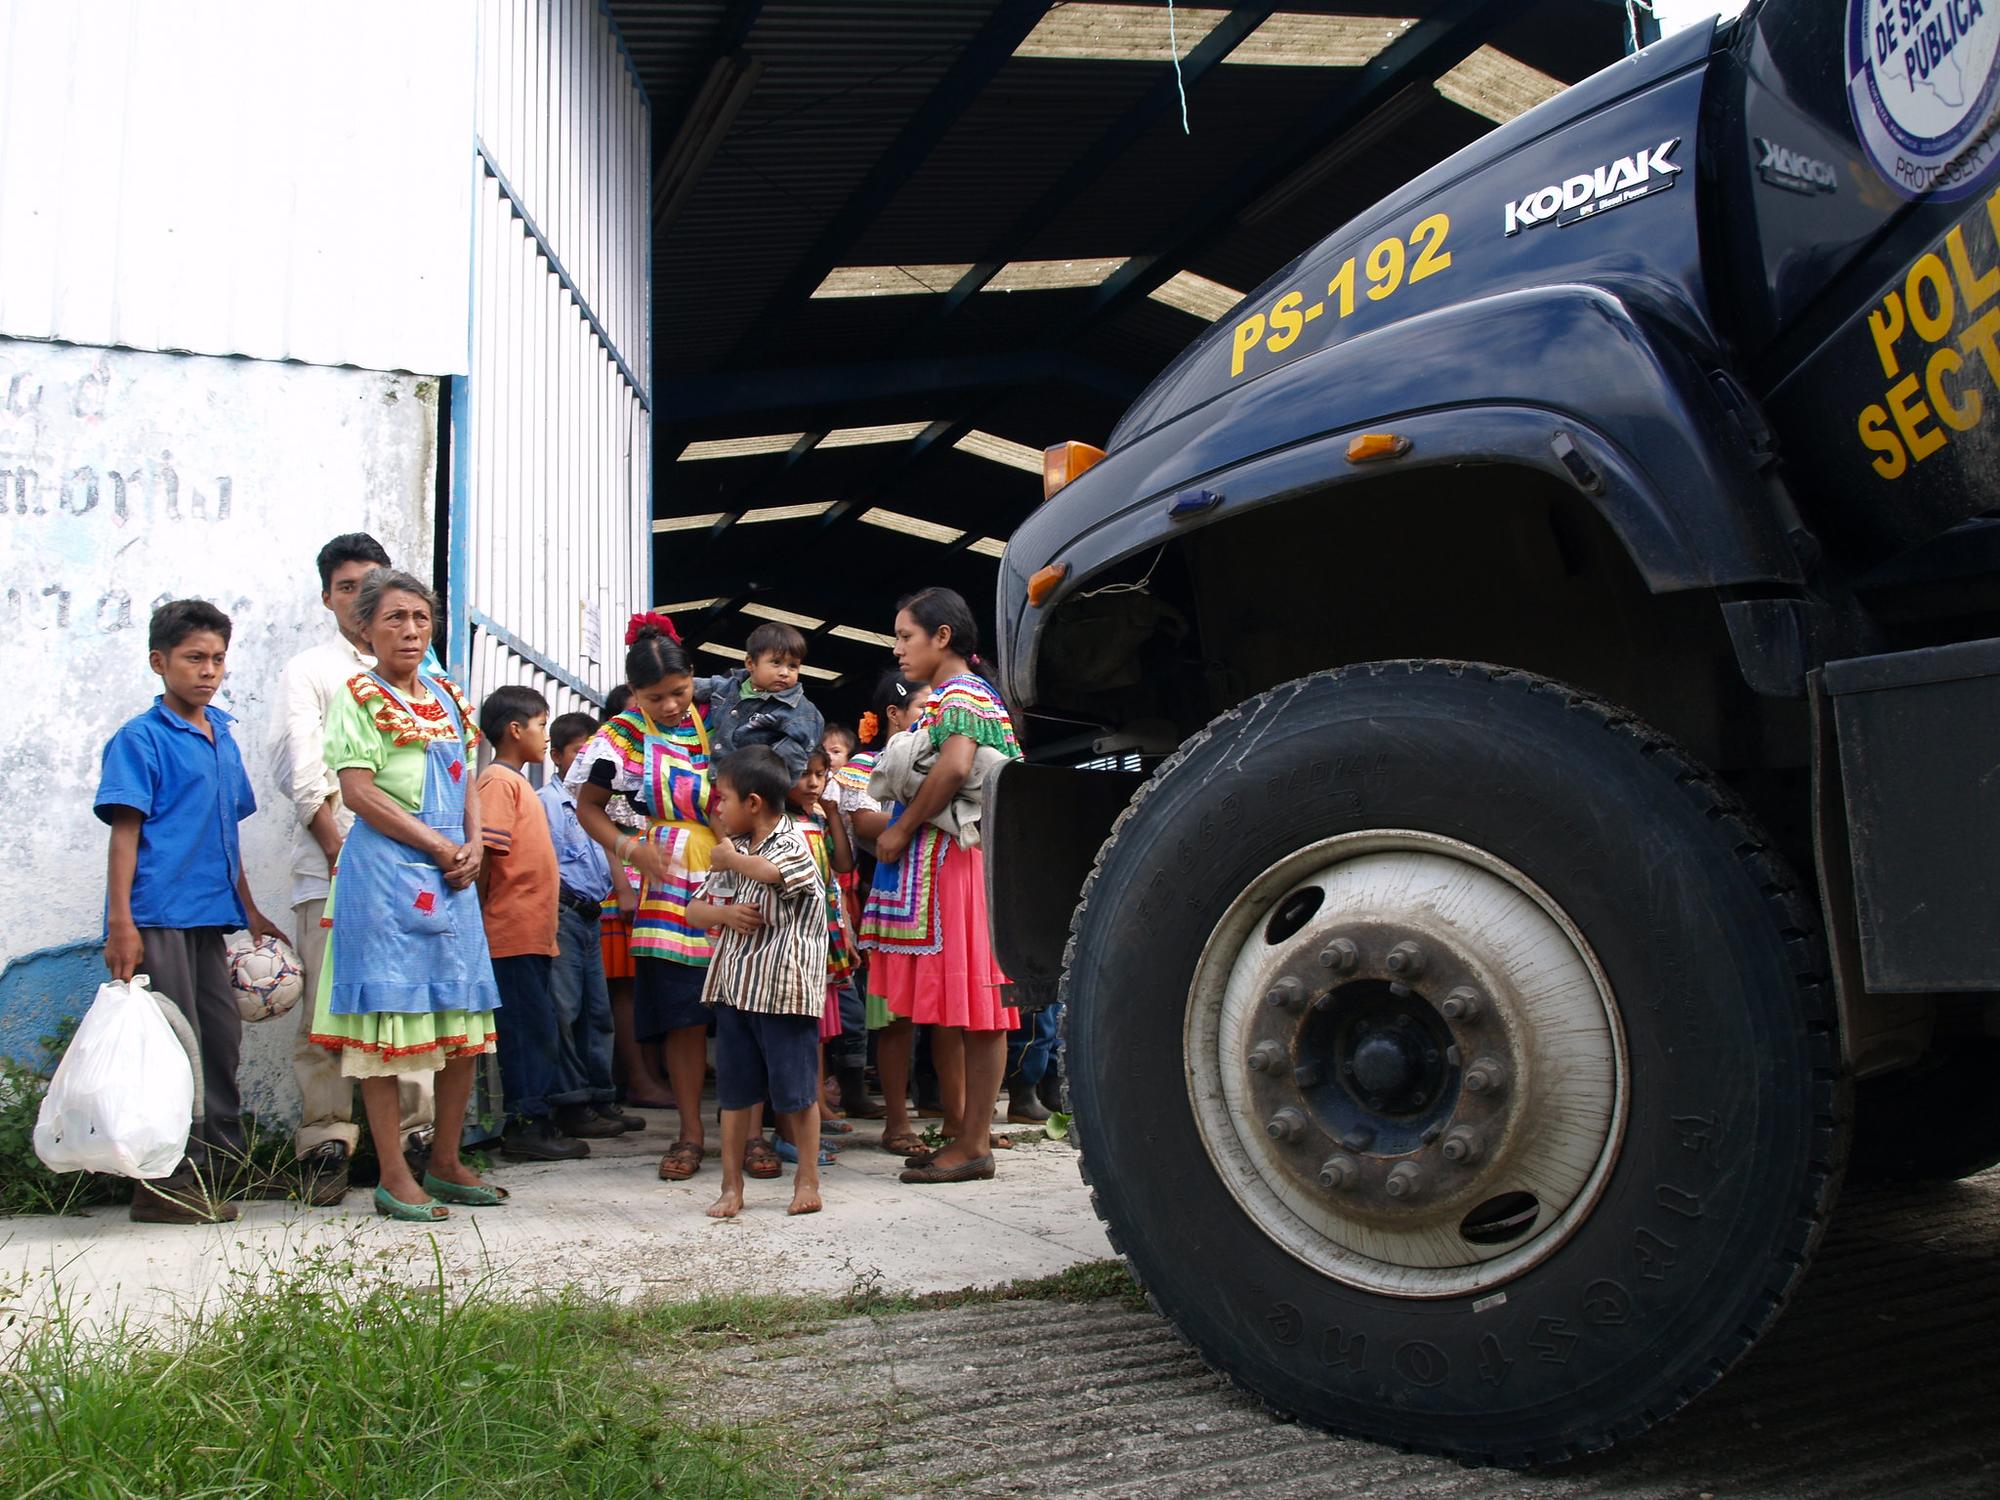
979 1169
682 1161
904 1144
760 1159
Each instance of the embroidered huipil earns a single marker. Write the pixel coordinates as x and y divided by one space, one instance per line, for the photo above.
841 959
665 773
407 982
901 915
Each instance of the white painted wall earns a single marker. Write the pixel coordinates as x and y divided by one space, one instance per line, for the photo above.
265 177
302 184
127 478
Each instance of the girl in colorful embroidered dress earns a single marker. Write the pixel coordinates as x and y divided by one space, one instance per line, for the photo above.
933 955
407 985
636 1064
897 702
657 753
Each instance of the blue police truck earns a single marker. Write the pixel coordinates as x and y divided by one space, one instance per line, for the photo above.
1557 623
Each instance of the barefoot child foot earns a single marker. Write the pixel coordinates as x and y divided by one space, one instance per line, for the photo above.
805 1198
729 1205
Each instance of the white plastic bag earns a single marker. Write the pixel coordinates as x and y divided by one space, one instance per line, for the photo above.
123 1095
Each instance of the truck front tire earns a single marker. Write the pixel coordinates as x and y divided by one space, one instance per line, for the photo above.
1453 1061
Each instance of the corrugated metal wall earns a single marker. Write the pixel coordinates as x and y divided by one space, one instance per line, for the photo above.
553 471
172 179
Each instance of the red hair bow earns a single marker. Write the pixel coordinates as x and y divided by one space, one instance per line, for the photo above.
659 622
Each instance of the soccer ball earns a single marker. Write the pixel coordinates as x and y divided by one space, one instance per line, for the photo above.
266 975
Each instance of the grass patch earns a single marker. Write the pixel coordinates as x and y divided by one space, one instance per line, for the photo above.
327 1386
332 1381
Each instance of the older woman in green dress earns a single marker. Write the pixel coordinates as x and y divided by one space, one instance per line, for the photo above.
407 984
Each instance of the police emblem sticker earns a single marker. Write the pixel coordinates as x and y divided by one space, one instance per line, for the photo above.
1924 89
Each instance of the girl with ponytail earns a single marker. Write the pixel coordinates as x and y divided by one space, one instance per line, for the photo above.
657 754
931 959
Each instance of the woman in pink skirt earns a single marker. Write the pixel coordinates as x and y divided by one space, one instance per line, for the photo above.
933 952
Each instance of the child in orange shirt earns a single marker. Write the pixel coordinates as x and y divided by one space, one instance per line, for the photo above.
517 898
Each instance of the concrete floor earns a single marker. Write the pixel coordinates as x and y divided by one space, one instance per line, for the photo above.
606 1225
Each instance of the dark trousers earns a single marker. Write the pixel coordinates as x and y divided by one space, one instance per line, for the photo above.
530 1050
189 966
583 1012
850 1048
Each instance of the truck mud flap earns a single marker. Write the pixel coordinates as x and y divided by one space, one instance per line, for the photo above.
1919 738
1043 826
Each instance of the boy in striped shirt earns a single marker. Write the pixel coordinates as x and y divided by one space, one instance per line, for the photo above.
767 979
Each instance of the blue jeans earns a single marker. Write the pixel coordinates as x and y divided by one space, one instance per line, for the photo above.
530 1055
1033 1046
583 1013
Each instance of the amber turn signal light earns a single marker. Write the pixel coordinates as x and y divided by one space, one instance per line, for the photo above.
1044 582
1064 463
1370 446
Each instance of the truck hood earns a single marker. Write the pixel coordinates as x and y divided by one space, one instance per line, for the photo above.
1202 371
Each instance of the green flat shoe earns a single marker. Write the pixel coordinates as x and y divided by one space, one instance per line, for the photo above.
414 1213
465 1195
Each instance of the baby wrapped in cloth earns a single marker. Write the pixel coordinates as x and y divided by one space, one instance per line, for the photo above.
908 758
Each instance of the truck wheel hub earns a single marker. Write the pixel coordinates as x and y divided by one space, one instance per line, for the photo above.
1406 1063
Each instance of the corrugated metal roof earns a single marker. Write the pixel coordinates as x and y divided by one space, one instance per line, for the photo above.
993 176
167 182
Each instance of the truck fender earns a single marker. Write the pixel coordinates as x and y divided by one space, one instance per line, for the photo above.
1570 380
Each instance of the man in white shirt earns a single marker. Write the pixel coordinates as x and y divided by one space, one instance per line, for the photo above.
327 1133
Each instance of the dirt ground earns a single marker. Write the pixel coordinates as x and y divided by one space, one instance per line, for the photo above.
1881 1380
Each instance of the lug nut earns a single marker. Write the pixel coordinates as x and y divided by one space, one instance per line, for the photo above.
1286 1125
1339 1173
1340 955
1462 1004
1265 1057
1461 1144
1307 1075
1484 1075
1286 994
1406 1179
1406 959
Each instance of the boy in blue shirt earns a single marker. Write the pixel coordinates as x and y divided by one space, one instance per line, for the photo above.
173 790
583 999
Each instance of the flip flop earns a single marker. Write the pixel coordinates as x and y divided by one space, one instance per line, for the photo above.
411 1213
788 1152
835 1127
904 1144
465 1194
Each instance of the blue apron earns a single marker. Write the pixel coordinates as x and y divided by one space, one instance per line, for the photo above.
403 941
